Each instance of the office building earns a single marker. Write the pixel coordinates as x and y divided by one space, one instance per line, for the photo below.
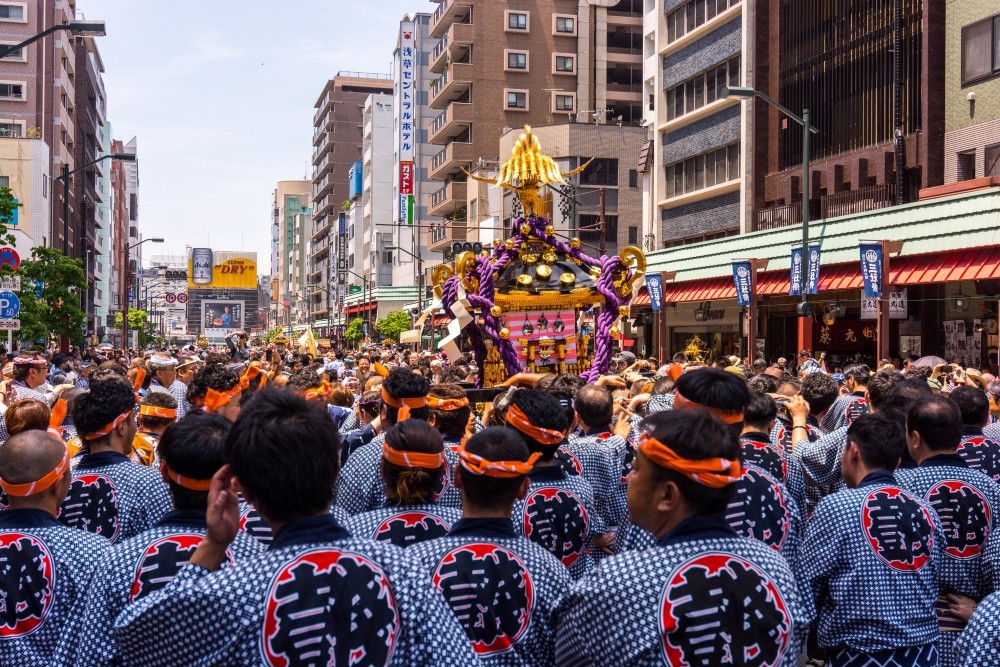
291 230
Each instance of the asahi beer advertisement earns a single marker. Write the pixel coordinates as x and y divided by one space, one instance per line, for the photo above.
222 269
221 318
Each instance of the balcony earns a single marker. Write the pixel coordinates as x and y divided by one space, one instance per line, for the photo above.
441 236
457 42
448 160
453 121
451 85
324 185
447 199
447 13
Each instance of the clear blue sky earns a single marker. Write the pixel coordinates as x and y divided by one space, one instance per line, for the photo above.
220 94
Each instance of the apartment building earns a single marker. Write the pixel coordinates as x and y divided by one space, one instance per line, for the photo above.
292 230
500 66
377 174
337 143
118 277
38 97
837 59
104 257
972 91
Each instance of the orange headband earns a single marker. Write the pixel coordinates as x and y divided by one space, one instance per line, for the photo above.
140 377
380 370
412 459
156 411
404 405
519 420
58 414
477 465
726 417
447 404
246 378
100 433
31 488
214 400
185 482
321 391
715 473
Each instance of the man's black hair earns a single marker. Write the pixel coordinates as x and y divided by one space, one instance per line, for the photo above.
902 395
820 391
543 411
569 382
761 410
566 401
304 380
880 440
403 383
193 448
938 420
973 403
881 386
695 435
106 401
451 423
406 485
595 406
486 493
212 376
680 358
663 385
157 399
284 451
715 388
762 383
860 373
339 354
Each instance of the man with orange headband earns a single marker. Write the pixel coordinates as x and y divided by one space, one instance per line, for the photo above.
157 411
190 454
317 595
30 371
46 566
501 586
110 495
872 556
216 389
701 595
404 396
558 511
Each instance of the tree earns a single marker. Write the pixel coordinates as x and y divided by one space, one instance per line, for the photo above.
393 324
355 330
51 284
137 321
8 204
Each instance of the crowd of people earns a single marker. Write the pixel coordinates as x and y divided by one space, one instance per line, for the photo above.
260 506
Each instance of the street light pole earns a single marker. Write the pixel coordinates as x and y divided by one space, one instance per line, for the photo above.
64 177
127 290
93 28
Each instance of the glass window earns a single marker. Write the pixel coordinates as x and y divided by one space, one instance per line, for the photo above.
690 22
564 103
565 24
996 44
12 90
633 178
710 169
977 46
11 130
517 21
734 161
517 100
565 63
672 27
17 54
517 60
689 176
13 12
670 180
699 172
4 181
699 12
734 72
992 166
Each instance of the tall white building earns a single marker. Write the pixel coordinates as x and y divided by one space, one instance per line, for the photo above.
378 172
103 248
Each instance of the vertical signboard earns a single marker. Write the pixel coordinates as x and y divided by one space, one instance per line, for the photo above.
407 98
741 278
871 268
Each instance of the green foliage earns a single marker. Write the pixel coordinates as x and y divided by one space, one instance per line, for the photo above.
273 333
394 323
7 205
57 312
138 320
355 330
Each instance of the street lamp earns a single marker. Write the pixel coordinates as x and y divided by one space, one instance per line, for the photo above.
125 292
64 177
83 28
804 308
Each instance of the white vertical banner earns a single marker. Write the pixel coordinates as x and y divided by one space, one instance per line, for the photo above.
406 73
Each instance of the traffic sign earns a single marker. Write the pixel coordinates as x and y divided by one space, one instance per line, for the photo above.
182 297
10 283
10 325
9 257
170 297
10 305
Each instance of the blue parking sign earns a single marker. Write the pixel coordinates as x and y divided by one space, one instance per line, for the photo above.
10 305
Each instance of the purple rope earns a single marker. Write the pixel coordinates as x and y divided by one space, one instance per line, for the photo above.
609 313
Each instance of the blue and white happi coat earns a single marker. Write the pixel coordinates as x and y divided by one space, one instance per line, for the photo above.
404 525
980 452
602 457
138 567
758 449
316 596
500 586
114 497
685 601
872 556
45 569
979 643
